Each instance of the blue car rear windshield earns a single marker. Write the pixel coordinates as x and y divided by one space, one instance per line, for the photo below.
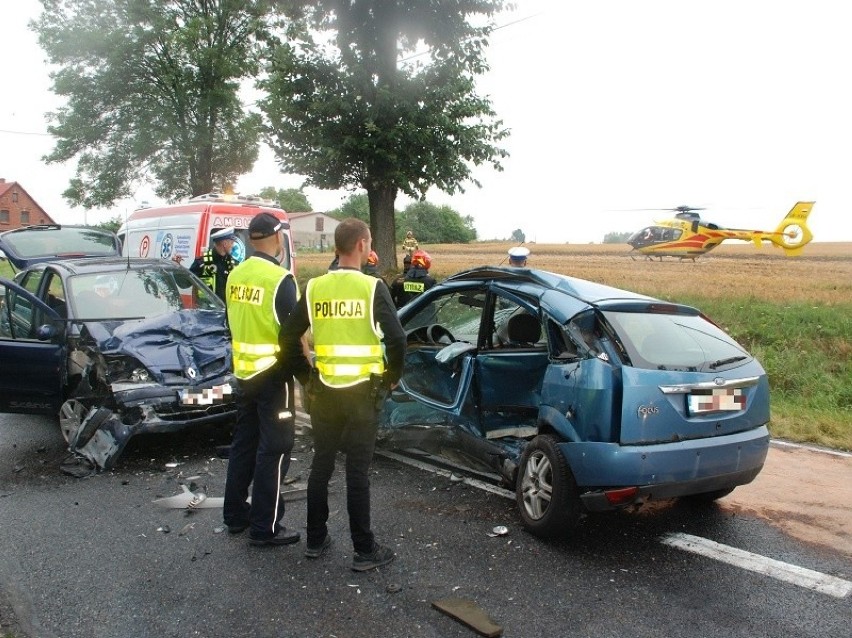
53 241
676 342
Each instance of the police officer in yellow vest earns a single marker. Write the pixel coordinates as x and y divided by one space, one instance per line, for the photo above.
216 263
261 294
360 348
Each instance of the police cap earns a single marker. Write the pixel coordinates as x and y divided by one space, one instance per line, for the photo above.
264 225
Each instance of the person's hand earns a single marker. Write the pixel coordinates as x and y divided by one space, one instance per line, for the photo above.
177 259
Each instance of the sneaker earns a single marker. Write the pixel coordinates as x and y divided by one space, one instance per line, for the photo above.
316 552
283 537
380 555
237 528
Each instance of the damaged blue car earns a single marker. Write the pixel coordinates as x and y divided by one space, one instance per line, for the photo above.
581 397
114 346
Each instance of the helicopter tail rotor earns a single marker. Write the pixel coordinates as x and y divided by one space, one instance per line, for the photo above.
793 233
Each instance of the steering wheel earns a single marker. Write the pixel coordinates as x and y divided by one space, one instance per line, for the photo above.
439 335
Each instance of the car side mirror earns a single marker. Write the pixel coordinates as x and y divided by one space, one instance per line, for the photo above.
46 332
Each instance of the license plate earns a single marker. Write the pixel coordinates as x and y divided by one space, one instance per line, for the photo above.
207 396
717 400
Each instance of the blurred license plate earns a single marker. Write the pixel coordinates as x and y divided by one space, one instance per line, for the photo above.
207 396
717 400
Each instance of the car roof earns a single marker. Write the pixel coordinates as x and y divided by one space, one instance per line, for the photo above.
587 291
30 245
111 264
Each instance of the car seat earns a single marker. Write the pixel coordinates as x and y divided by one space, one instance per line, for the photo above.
523 330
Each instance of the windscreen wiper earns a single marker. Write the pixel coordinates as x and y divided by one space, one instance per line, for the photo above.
724 362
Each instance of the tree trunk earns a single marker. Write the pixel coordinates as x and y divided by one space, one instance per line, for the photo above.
383 224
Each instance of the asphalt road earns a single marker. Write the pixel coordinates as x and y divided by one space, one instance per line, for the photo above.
84 557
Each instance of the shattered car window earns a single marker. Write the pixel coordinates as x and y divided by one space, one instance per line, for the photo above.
663 341
137 293
459 312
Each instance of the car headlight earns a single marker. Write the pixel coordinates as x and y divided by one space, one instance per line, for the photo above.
127 370
140 375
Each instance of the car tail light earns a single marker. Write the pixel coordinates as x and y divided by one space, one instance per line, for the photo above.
621 496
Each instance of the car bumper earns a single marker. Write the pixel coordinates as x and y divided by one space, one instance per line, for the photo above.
666 470
157 408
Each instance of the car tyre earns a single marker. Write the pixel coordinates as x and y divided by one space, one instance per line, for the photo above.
545 491
89 427
71 415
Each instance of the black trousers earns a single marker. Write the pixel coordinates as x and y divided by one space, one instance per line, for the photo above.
342 420
260 452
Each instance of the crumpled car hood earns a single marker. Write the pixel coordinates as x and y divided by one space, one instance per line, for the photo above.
183 347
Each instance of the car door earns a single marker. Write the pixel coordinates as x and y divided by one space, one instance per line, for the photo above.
510 367
32 353
442 332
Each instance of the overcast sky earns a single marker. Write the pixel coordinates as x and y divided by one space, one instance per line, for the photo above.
739 106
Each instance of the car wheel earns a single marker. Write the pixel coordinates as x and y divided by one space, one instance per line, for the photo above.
546 492
709 497
89 427
71 415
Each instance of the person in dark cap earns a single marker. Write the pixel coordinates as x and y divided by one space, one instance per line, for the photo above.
261 294
518 256
215 264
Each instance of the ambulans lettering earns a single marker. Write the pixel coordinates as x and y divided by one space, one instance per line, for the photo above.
246 294
231 221
340 309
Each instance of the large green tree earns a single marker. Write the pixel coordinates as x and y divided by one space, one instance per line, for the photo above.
293 200
433 224
360 107
356 205
151 90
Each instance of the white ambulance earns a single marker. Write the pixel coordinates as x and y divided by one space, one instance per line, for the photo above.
181 232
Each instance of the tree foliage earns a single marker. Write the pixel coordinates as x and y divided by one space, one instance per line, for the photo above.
358 113
151 91
433 224
293 200
356 206
112 224
518 236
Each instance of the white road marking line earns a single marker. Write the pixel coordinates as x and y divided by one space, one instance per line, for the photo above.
811 448
442 472
786 572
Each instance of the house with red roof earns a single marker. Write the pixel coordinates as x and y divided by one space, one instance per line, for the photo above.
18 209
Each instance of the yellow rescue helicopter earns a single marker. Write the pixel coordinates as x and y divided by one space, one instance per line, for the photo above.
688 236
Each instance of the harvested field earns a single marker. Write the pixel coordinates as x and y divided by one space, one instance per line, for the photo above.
823 274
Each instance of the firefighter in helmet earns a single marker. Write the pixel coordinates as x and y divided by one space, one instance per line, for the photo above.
416 281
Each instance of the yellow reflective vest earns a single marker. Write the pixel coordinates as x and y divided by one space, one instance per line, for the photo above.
347 338
251 315
209 272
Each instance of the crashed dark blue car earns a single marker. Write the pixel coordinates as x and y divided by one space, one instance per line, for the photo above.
114 346
581 397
